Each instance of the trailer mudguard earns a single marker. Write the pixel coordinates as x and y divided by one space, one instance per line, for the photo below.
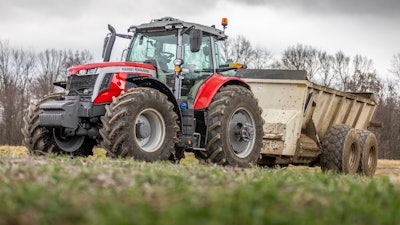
208 89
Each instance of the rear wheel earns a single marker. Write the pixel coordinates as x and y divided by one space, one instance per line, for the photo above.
341 150
369 153
234 128
41 140
141 123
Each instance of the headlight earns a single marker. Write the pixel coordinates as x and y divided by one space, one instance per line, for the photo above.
178 62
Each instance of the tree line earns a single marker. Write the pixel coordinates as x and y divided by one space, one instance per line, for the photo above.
26 76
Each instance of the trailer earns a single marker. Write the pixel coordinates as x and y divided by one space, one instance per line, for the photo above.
306 123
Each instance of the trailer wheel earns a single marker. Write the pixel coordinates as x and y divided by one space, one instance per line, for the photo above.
235 128
341 150
42 140
369 153
140 123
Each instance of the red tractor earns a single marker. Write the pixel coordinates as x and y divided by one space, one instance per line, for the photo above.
171 94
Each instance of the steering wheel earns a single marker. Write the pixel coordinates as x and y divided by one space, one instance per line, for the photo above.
168 55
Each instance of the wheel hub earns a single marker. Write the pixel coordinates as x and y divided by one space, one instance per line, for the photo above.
242 133
150 130
143 129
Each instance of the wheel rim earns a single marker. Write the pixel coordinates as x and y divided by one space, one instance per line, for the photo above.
150 130
371 158
241 132
353 156
67 143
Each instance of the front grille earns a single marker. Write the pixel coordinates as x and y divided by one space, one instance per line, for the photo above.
81 85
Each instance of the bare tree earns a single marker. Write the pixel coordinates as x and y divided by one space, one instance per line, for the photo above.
50 69
341 69
5 73
364 77
77 58
225 47
301 57
241 50
388 114
326 66
17 66
53 66
396 65
262 58
25 75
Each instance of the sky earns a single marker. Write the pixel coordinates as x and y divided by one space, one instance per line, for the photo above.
367 27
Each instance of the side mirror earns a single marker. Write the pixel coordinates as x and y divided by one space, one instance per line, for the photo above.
108 43
196 38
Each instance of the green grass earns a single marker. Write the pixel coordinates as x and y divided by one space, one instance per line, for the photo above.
64 190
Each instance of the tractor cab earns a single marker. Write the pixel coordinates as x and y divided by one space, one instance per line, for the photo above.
183 54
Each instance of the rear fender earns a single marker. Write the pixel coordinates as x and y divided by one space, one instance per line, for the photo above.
211 86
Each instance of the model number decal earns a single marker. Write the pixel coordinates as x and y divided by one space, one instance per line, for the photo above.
135 69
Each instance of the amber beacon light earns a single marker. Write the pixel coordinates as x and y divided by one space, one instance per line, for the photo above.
224 23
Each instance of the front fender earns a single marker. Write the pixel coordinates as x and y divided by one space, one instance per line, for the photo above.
208 89
156 84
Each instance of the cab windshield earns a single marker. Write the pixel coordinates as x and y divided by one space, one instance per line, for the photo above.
162 47
160 50
159 47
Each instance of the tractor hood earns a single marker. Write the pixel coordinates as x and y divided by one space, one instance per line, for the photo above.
125 67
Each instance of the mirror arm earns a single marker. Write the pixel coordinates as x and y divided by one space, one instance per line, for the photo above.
187 29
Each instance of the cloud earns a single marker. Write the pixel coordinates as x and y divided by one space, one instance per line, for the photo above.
20 10
382 8
28 10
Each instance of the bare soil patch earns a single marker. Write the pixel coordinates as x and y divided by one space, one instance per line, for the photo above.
390 168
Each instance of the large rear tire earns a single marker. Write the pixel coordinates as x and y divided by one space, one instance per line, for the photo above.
41 140
141 123
235 128
369 153
341 150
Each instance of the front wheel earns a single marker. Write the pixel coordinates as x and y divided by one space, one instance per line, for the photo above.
141 123
234 128
42 140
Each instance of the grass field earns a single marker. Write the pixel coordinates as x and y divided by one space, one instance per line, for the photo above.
96 190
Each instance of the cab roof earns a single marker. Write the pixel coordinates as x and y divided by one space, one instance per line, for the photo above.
171 23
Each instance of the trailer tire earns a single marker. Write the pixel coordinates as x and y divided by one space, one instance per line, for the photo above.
41 140
142 124
369 153
234 127
341 150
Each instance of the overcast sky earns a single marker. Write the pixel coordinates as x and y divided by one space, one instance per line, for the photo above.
367 27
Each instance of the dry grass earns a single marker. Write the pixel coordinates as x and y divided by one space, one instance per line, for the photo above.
389 168
388 162
13 151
